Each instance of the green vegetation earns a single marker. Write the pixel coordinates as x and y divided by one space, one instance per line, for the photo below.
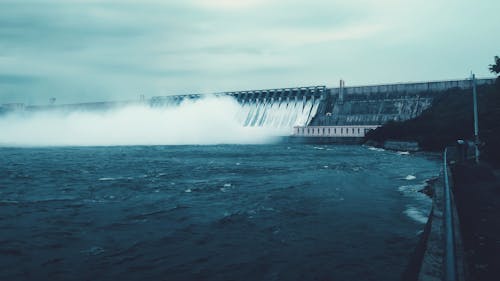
451 118
495 68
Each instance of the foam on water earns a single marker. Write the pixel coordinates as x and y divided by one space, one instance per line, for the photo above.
410 177
375 148
411 188
416 214
107 179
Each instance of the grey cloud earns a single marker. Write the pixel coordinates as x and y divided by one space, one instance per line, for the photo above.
11 79
98 50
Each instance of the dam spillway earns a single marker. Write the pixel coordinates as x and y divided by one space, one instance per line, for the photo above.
282 108
272 108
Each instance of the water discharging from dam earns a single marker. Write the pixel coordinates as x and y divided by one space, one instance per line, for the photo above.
278 114
206 120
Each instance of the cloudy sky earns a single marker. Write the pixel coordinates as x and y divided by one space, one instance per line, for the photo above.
90 50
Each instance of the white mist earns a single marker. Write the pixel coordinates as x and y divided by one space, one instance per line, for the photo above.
210 120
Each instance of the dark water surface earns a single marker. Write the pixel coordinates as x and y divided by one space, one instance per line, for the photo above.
228 212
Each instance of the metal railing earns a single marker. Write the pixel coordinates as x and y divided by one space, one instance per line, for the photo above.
450 262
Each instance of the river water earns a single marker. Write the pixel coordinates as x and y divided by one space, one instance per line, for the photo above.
222 212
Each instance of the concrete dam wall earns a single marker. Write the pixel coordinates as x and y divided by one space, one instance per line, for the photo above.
372 109
377 104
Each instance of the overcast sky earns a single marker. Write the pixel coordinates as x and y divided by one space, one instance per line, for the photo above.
107 50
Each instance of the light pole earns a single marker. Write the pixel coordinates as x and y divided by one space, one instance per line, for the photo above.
476 125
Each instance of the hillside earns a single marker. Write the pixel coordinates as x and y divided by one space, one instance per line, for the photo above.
450 118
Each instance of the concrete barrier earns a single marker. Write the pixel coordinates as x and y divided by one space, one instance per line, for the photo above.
443 256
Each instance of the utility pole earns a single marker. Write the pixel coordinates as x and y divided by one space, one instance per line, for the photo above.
476 125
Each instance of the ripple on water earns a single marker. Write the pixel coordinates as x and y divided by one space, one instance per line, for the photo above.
277 203
411 188
107 179
93 251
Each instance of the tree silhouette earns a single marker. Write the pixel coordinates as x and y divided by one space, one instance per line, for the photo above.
495 68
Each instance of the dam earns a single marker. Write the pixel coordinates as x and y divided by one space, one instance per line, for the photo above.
335 113
306 112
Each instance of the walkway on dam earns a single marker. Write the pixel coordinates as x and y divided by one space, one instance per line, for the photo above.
477 197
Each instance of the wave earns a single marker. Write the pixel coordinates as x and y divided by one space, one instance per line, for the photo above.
416 214
107 179
410 177
375 148
412 188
